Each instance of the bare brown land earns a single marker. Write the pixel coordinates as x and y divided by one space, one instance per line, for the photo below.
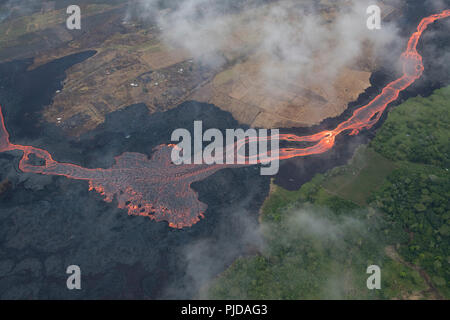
243 92
135 65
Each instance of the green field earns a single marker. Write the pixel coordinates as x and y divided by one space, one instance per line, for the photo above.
388 206
365 173
17 29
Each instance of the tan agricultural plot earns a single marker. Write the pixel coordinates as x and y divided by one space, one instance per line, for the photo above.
136 64
252 100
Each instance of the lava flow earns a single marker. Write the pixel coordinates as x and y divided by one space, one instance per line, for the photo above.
161 190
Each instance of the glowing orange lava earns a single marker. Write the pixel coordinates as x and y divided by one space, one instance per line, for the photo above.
161 190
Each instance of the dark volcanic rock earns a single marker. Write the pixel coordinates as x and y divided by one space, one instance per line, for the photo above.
49 223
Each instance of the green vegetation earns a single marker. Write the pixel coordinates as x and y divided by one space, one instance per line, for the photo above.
416 195
318 246
389 206
18 29
417 198
418 131
366 172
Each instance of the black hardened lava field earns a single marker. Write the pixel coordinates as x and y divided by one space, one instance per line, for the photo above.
101 190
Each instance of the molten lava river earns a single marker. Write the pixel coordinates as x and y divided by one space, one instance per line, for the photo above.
161 190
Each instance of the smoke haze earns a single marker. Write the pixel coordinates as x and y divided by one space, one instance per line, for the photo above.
292 39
